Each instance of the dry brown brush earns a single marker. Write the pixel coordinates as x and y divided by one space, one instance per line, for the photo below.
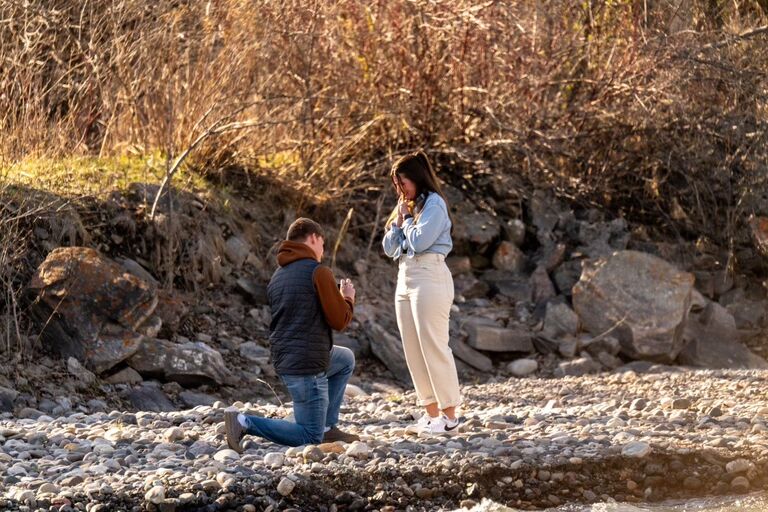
655 110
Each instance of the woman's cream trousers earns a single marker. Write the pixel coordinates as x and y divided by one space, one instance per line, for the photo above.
423 305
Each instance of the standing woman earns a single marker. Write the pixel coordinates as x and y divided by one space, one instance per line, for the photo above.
418 234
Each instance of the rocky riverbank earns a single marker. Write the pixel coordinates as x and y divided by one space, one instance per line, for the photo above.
641 433
546 291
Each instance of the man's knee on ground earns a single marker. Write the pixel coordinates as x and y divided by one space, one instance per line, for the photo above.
313 436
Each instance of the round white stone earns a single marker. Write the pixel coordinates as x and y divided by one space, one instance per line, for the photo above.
226 455
738 466
636 449
523 367
155 495
286 486
358 449
354 391
274 459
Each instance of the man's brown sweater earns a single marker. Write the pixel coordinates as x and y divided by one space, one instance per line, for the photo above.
336 308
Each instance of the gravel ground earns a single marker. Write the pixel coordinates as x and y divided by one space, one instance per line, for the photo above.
527 443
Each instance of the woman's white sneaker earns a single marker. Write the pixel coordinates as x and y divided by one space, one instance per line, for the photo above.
451 425
419 426
428 425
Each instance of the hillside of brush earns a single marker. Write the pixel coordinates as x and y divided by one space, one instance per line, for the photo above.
656 112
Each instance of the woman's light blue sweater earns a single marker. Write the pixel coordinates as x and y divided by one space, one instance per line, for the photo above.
430 232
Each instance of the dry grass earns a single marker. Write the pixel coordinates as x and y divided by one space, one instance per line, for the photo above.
80 177
609 101
633 106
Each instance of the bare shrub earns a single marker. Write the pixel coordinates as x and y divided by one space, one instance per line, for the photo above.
655 110
17 214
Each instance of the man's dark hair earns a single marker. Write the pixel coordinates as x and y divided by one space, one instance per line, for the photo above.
301 228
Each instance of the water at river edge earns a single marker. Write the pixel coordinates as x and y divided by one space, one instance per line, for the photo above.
749 503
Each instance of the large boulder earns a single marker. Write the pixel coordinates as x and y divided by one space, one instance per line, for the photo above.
712 337
485 335
150 398
253 290
469 287
459 265
508 257
189 364
750 313
237 250
359 346
171 309
566 276
469 355
7 397
545 212
542 289
601 239
389 350
516 287
474 231
560 320
90 307
640 299
513 230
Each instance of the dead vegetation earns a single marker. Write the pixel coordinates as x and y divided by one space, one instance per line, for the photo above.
657 111
654 108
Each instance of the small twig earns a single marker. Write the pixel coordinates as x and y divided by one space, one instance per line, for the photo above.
271 389
342 232
379 204
736 38
214 129
605 333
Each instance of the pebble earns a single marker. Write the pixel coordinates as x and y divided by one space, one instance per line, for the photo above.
155 495
523 367
226 455
636 449
354 391
48 488
358 449
313 454
739 466
274 459
286 486
173 434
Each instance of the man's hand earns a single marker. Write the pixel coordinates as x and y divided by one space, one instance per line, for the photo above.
347 289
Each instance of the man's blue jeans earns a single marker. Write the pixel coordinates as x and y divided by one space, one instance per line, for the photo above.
316 403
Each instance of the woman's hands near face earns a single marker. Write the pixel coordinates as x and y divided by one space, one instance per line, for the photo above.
402 208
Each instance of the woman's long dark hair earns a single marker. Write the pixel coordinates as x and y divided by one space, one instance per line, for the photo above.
415 167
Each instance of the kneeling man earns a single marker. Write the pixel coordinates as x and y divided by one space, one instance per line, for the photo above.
306 304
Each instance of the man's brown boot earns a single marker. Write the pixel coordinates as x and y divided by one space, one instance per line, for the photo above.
233 429
335 434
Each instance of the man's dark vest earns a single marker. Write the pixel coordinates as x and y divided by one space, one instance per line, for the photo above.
300 336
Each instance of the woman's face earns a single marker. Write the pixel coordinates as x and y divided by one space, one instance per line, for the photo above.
406 187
